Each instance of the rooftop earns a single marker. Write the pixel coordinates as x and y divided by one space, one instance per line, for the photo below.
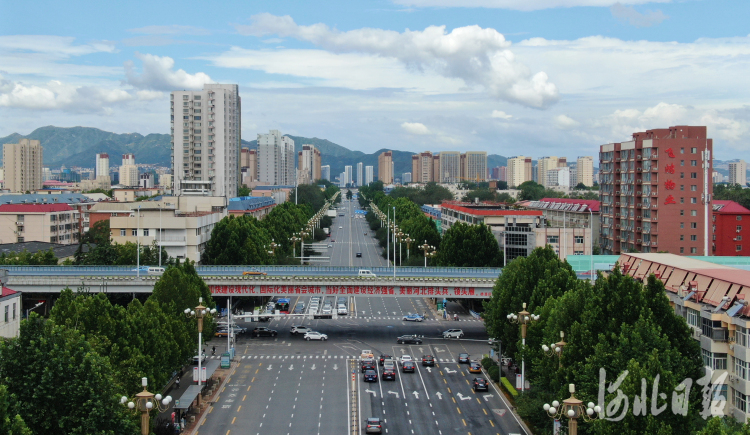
33 208
565 204
488 209
60 251
41 198
728 207
8 292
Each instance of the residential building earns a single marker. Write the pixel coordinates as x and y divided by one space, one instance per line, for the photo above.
584 171
558 178
544 164
165 181
146 180
422 168
348 175
255 206
276 159
81 204
385 167
518 171
249 165
436 168
309 164
474 166
731 227
280 194
325 172
738 173
450 167
368 175
128 171
360 174
206 163
10 309
54 223
406 178
128 194
569 213
22 164
717 177
102 165
652 191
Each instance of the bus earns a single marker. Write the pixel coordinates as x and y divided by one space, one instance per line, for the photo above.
283 305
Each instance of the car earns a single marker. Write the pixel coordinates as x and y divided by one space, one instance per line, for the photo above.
389 374
315 299
475 367
222 333
428 360
327 309
330 245
408 367
368 365
341 300
235 329
406 358
203 360
374 425
412 339
366 273
413 318
297 329
253 272
359 254
315 335
332 240
299 308
371 375
341 310
340 227
366 353
463 358
365 233
480 384
384 357
262 331
453 333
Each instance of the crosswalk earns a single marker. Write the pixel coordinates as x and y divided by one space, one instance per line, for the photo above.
313 357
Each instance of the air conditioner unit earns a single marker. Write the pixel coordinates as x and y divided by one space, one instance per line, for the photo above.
653 219
697 333
639 240
738 231
21 223
617 226
639 192
637 156
617 192
637 218
638 229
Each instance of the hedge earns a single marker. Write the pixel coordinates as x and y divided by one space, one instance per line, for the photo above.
494 373
508 387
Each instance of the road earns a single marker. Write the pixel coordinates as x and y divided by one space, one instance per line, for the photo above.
286 385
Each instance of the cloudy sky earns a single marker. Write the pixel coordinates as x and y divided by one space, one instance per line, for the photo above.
533 77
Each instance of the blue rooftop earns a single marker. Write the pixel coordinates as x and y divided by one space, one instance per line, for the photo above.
40 198
249 203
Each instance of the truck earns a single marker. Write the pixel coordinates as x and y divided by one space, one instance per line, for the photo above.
327 231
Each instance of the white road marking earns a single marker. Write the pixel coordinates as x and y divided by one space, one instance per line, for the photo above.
487 396
394 392
462 397
373 393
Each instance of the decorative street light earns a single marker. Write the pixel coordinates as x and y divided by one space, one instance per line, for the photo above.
573 409
429 251
199 313
400 235
555 349
294 239
145 402
273 247
523 318
408 241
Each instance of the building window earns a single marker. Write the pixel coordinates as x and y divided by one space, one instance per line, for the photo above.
717 361
693 225
694 163
682 237
693 175
682 250
738 248
145 232
553 239
739 218
693 250
693 150
693 318
122 233
693 212
693 237
740 401
134 233
682 200
579 239
682 187
682 225
7 311
693 188
578 253
682 150
740 337
682 212
14 310
682 163
739 228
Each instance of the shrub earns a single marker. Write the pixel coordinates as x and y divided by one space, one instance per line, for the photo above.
488 362
494 372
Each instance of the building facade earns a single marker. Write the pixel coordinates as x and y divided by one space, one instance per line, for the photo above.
249 165
731 229
518 171
584 171
422 168
738 173
474 166
206 141
309 164
545 164
128 171
102 166
450 167
54 223
385 167
652 192
406 178
325 172
276 159
558 178
22 164
368 175
10 309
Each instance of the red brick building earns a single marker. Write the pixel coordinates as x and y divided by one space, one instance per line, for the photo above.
731 226
652 192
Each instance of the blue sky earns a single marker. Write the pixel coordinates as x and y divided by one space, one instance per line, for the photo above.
533 77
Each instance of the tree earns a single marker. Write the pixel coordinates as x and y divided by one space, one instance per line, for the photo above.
466 245
732 192
59 384
22 258
238 240
531 191
349 194
581 186
10 422
243 190
486 194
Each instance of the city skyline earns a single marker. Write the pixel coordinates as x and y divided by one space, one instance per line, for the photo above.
410 90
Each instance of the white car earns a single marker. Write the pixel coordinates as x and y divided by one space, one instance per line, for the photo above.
406 358
340 227
453 333
315 335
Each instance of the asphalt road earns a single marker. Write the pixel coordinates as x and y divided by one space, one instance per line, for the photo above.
286 385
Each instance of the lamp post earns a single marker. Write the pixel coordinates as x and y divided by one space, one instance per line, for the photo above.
523 318
400 237
573 409
199 313
408 241
591 244
429 251
273 247
138 244
294 239
387 238
145 402
555 349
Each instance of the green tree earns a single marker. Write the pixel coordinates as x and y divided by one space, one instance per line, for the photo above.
24 258
238 240
466 245
349 194
10 422
732 192
581 186
243 190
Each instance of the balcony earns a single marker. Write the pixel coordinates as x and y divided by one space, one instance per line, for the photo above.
654 193
654 169
654 156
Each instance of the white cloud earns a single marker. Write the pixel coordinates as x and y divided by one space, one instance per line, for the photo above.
146 95
501 115
520 5
158 74
629 15
58 95
273 41
415 128
173 29
477 56
563 122
59 46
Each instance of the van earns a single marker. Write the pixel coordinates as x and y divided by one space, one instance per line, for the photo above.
366 273
155 270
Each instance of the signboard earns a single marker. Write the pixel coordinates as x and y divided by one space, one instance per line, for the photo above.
225 360
195 374
352 290
518 382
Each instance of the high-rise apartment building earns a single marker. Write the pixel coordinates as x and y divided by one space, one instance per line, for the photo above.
309 164
249 165
584 171
450 167
102 166
385 167
558 177
206 127
276 159
653 191
422 168
474 165
368 175
518 171
22 163
128 171
406 178
544 164
325 172
360 174
348 174
738 173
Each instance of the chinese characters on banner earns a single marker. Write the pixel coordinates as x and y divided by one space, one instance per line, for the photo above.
669 184
355 290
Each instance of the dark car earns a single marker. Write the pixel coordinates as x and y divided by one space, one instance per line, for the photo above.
371 376
463 358
389 375
408 367
384 357
410 339
365 233
359 254
368 365
480 384
299 308
374 425
428 360
264 332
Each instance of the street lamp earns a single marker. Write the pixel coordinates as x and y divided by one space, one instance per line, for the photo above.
199 313
555 349
429 251
523 318
273 247
145 402
294 239
573 409
408 241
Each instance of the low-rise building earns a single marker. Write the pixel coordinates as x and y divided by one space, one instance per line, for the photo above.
10 309
257 207
54 223
731 229
80 202
568 213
